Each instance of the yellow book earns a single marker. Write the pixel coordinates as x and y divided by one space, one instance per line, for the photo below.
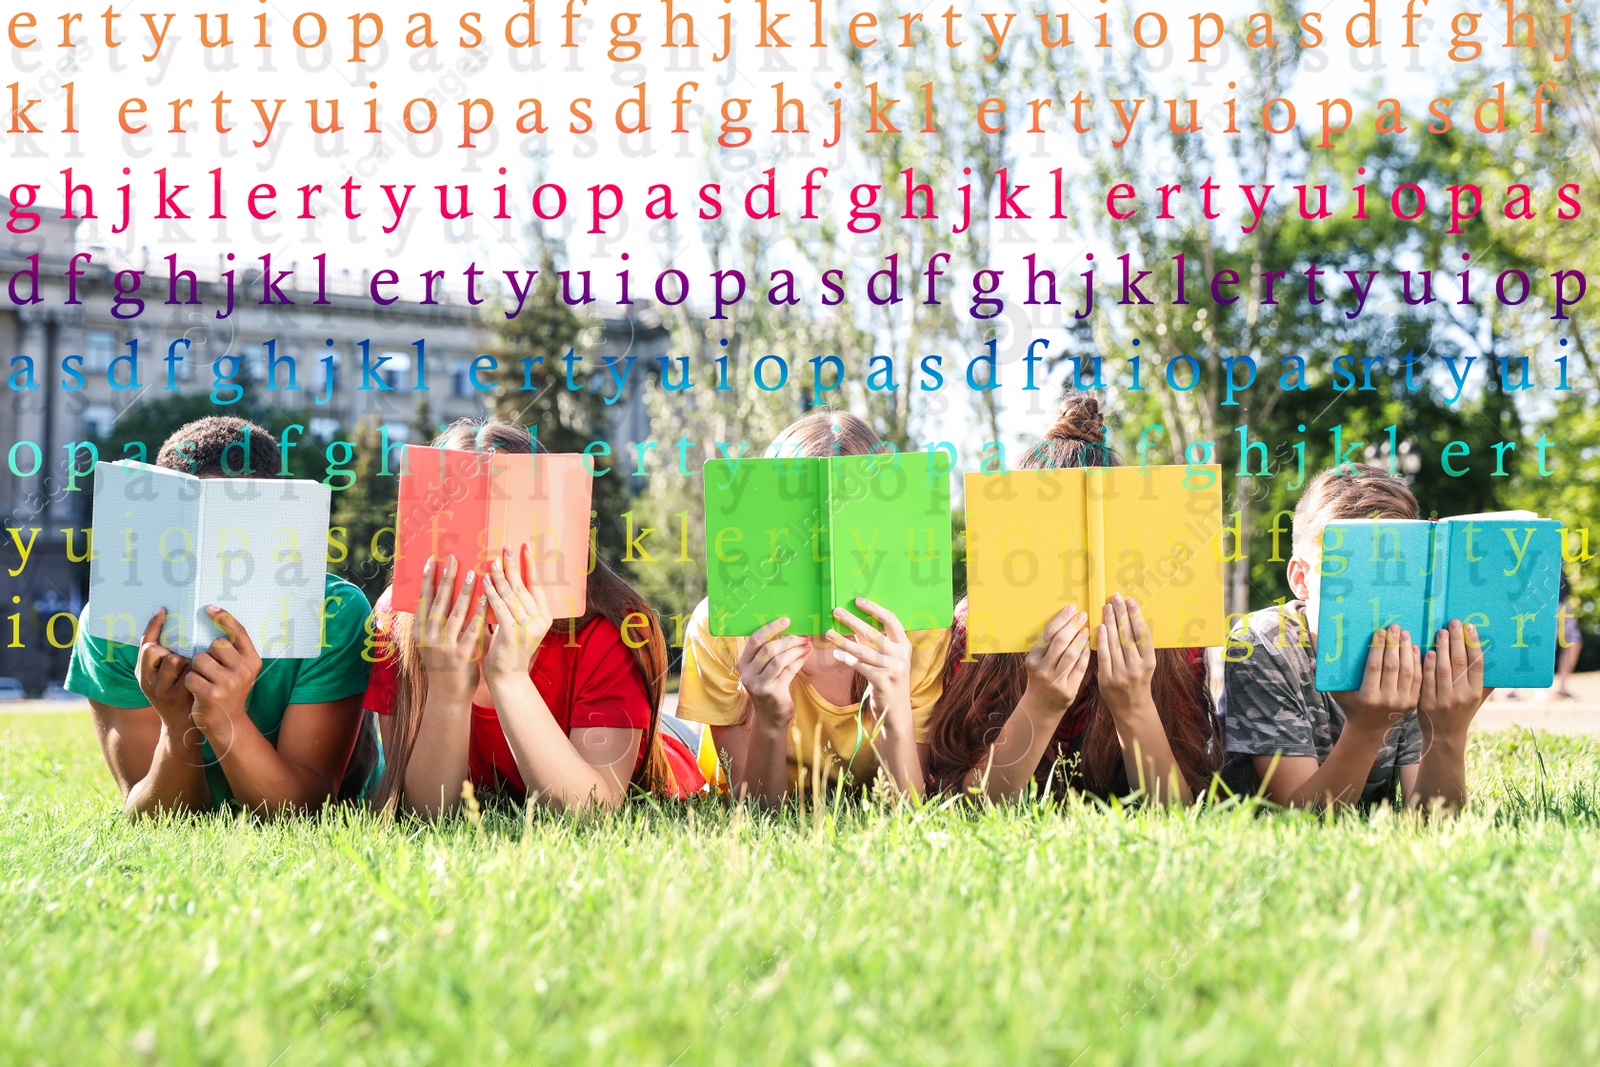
1040 540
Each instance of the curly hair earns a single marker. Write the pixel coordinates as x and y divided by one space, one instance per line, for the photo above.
221 446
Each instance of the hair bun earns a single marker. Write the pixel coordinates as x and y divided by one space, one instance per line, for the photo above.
1078 420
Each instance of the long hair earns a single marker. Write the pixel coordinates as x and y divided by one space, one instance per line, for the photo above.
608 596
823 433
980 695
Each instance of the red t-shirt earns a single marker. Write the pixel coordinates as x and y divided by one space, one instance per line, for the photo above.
587 679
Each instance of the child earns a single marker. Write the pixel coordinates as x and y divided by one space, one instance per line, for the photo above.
1305 748
564 710
227 726
777 704
1005 720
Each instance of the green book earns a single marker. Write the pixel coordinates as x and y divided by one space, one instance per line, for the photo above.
798 536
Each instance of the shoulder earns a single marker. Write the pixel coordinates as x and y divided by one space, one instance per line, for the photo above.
697 636
344 597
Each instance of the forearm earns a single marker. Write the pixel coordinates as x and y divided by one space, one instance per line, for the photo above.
1010 763
900 759
438 764
1442 774
1147 754
176 780
1341 778
763 773
549 765
260 778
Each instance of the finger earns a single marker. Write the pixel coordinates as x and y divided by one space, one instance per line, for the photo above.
1408 668
1390 678
1119 611
152 629
1062 620
207 667
502 574
1429 694
171 669
775 670
1141 633
856 650
473 631
766 633
1055 654
890 621
199 685
235 631
1372 676
425 598
1108 640
777 646
223 651
532 589
1413 688
1475 658
1458 650
864 630
443 590
1078 664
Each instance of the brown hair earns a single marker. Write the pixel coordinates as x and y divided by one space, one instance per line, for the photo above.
608 596
201 448
979 696
1351 491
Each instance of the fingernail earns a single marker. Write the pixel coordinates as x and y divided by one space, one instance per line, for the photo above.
469 578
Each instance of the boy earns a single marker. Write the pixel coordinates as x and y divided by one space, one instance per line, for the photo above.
227 726
1355 747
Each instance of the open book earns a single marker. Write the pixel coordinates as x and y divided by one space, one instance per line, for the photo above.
473 504
256 547
1500 572
1038 540
799 536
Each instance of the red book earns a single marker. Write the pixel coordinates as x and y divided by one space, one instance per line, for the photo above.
473 504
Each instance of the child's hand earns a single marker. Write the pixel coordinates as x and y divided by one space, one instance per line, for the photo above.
1127 658
221 677
1452 681
1058 661
767 668
1391 685
883 659
160 672
522 617
447 634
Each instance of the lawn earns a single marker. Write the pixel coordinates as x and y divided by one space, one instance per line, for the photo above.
857 935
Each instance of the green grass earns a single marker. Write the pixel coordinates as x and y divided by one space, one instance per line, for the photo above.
699 935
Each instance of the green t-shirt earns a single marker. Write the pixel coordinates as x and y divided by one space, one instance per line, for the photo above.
104 671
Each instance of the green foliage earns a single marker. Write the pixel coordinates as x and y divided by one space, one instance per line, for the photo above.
701 935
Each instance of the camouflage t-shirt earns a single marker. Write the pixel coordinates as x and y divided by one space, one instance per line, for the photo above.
1270 704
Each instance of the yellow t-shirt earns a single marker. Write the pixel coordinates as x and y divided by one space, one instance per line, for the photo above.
709 692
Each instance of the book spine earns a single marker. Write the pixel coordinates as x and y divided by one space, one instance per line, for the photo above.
1094 488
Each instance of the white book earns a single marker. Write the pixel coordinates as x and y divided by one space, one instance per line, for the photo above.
256 547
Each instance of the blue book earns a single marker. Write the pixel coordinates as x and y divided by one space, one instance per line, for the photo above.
1500 572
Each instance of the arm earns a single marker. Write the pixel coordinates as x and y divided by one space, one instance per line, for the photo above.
314 742
758 750
883 658
1127 667
1451 693
1056 665
591 769
1389 689
154 752
448 647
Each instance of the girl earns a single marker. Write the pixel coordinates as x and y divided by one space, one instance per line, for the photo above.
1129 715
563 710
782 707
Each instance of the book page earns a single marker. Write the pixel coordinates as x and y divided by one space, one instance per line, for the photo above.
766 554
264 551
889 535
1026 558
441 510
144 553
542 499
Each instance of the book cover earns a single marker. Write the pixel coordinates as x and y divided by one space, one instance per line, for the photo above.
256 547
474 504
1038 540
1499 572
799 536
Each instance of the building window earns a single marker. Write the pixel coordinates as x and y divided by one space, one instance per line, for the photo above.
328 380
394 371
460 383
98 419
102 348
